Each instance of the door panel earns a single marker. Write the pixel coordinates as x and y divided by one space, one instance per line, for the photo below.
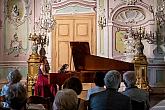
71 28
64 30
63 51
64 34
83 30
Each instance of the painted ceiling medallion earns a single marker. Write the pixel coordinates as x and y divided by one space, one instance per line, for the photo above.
130 16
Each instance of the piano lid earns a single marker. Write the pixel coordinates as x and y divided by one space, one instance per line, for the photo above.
84 61
79 51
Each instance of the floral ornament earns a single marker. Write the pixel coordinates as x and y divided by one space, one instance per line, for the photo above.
15 46
17 11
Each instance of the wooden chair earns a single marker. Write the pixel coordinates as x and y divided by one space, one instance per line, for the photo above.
137 105
82 104
46 102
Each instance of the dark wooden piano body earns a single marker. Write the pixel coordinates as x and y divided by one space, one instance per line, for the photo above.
86 65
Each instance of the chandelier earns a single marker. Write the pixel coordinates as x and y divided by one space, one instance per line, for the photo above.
44 25
160 13
141 34
46 21
133 39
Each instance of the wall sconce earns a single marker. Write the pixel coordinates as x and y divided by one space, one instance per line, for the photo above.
102 22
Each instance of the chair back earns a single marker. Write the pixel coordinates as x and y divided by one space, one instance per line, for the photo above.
137 105
82 104
46 102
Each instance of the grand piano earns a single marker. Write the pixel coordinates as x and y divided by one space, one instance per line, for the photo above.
86 65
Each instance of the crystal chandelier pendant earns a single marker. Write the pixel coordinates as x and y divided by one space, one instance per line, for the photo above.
44 25
46 20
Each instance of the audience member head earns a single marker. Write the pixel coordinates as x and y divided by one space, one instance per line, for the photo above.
112 79
129 78
14 76
73 83
99 79
17 96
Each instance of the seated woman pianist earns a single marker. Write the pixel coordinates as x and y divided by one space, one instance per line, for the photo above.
42 88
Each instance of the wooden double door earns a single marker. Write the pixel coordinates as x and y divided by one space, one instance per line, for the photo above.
68 28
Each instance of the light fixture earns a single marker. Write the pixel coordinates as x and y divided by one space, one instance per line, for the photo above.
133 39
141 34
160 13
44 25
102 22
101 18
33 36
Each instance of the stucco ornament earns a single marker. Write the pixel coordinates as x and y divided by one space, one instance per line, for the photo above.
131 2
17 11
15 46
17 14
130 16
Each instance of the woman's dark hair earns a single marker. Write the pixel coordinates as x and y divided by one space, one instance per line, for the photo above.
73 83
44 60
99 79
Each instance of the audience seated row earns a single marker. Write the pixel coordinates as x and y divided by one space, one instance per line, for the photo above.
14 94
67 98
110 99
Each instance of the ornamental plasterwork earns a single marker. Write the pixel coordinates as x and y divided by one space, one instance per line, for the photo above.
130 2
130 16
16 11
56 1
15 46
73 9
16 23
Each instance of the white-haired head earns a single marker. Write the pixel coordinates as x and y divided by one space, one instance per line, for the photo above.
14 76
112 79
130 78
